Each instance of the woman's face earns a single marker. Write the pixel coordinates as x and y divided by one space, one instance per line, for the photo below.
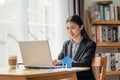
73 30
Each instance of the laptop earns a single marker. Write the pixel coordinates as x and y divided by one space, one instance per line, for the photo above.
36 55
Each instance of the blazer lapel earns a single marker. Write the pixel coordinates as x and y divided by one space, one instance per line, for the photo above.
70 50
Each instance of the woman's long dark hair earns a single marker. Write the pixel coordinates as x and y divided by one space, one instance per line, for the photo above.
76 19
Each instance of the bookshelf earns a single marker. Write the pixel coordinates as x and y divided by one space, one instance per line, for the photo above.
108 44
109 23
104 44
113 73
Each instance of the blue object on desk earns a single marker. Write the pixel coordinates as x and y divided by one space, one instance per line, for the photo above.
67 62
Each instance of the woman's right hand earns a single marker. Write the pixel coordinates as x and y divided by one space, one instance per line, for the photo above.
57 62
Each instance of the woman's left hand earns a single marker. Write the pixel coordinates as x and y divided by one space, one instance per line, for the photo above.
56 62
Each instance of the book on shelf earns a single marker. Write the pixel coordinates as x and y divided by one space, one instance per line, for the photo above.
98 33
102 12
115 34
94 12
109 34
115 11
119 34
107 12
93 33
112 17
118 12
104 34
113 62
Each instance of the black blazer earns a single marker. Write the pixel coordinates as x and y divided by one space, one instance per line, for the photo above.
83 57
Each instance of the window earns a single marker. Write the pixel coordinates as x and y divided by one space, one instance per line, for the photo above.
31 20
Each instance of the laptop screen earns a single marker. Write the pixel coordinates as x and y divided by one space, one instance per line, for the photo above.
36 53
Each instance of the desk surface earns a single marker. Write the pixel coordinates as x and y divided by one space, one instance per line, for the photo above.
30 72
41 73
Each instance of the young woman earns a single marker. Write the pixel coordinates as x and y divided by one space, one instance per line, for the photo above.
80 48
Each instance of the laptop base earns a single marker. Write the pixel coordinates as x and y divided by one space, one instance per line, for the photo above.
32 67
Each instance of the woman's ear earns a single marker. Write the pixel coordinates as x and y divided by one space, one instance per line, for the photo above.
81 27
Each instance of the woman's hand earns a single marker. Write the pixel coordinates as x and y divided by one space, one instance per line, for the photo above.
56 62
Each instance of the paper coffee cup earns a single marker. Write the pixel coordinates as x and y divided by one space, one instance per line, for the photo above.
12 60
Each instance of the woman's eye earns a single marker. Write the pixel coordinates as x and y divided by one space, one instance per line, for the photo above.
72 27
67 28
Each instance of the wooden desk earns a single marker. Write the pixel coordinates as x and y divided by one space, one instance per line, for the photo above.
38 74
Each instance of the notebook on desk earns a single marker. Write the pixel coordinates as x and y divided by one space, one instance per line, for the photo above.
36 54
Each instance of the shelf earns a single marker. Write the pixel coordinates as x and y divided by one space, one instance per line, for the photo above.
108 44
113 73
104 2
106 22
